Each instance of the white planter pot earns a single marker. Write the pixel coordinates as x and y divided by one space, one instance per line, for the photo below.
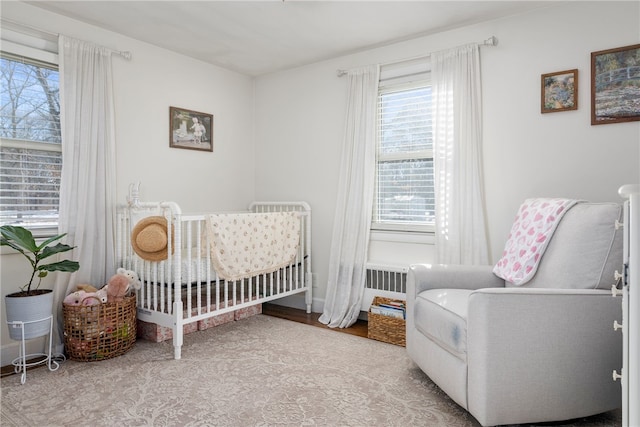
29 309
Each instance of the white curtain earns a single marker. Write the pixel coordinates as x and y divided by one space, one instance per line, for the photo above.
352 220
461 236
87 189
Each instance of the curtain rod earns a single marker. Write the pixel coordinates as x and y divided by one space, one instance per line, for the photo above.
491 41
20 25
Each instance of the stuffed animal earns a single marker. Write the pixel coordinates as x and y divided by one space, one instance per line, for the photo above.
74 298
85 287
101 295
117 287
85 298
120 284
133 277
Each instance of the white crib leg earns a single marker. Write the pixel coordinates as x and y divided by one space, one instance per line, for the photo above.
177 331
308 296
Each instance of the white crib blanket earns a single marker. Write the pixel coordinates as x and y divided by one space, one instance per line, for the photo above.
246 244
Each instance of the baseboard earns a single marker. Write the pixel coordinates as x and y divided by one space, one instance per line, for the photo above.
11 351
298 301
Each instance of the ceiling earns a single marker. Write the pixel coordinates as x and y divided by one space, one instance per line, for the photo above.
259 37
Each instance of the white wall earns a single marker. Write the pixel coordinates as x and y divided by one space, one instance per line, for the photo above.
298 119
528 154
300 116
145 87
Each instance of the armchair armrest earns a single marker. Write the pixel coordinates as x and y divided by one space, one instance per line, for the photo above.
422 277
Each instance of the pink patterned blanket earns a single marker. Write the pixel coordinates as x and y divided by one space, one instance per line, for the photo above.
532 229
247 244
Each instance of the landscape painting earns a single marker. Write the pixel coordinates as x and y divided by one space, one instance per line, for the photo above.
615 85
559 91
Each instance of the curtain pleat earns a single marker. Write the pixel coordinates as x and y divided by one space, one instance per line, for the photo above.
461 233
88 178
350 239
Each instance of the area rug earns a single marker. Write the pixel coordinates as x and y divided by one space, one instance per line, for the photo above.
261 371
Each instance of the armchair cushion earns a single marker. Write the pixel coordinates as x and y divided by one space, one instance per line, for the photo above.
585 250
531 231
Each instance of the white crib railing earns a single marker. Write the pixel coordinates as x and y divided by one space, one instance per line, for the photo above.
185 287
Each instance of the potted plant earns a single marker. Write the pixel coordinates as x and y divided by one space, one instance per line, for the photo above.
31 304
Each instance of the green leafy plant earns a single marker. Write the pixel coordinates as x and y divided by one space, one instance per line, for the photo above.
21 239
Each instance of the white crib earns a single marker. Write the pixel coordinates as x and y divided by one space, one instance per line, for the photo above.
185 288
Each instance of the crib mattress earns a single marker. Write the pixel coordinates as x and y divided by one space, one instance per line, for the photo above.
192 271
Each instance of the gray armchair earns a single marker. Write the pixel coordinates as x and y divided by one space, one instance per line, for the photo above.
542 351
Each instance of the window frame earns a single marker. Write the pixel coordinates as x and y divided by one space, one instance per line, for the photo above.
39 50
386 230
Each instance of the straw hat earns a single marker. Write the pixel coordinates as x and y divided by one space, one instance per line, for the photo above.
149 238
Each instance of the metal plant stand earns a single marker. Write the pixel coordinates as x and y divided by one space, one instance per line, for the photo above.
20 363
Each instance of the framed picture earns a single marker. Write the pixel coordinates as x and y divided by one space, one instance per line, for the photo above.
559 91
190 129
615 85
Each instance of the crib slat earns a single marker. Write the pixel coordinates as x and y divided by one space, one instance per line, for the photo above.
163 295
217 292
226 294
208 269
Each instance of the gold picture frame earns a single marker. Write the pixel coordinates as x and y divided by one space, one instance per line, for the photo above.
559 91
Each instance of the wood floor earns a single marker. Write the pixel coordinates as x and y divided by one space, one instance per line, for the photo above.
295 315
300 316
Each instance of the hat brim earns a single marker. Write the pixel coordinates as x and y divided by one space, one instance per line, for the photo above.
159 255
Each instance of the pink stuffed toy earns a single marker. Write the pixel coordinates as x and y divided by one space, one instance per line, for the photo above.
93 298
134 281
117 287
74 298
85 298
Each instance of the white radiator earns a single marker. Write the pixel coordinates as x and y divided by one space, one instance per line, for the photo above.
388 281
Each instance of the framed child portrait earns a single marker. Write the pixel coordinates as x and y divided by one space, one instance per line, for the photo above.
191 130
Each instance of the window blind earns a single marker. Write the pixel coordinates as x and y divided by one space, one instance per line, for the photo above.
30 182
404 176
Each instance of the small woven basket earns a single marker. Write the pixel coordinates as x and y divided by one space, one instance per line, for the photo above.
384 328
100 331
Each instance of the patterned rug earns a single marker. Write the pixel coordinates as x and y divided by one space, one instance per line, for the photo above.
261 371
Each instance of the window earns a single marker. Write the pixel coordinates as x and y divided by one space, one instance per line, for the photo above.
30 142
404 199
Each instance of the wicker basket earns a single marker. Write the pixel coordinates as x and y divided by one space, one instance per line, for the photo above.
101 331
384 328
